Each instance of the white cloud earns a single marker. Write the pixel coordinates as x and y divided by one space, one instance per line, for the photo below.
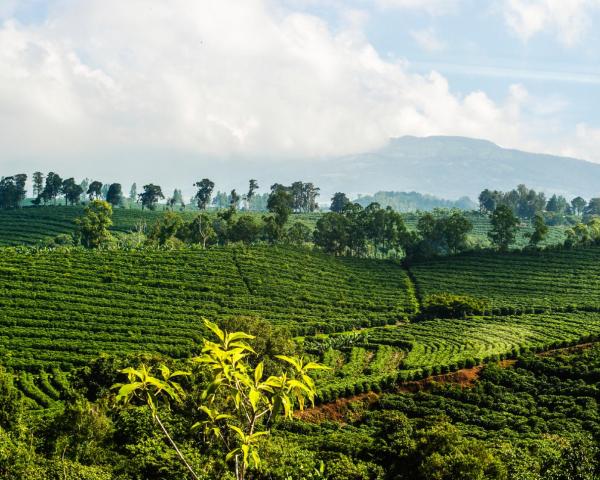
567 19
111 78
434 7
428 40
587 144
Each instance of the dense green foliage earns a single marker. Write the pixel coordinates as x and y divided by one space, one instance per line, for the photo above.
34 226
67 306
561 280
537 420
447 305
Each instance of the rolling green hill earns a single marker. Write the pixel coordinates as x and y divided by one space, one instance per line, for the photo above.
34 225
520 281
67 307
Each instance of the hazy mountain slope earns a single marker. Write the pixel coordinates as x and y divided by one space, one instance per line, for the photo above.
451 167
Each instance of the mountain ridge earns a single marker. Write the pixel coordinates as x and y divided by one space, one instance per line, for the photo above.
453 167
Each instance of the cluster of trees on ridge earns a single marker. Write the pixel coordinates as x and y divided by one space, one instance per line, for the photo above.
49 188
348 229
526 203
356 231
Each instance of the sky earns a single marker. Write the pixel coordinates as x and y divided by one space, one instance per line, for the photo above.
157 90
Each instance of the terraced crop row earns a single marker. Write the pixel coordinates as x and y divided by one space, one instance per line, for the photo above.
350 291
66 307
440 346
34 225
44 389
481 226
31 225
518 282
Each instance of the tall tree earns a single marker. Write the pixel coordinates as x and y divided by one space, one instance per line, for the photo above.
339 202
252 187
20 184
221 200
166 228
85 184
557 204
578 205
205 188
52 187
150 196
93 228
177 197
38 184
7 192
298 234
71 190
95 190
504 228
593 207
200 230
234 200
540 231
309 197
280 205
440 233
489 200
12 191
332 233
114 195
133 195
246 230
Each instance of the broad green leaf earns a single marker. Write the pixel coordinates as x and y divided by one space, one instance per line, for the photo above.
215 329
258 373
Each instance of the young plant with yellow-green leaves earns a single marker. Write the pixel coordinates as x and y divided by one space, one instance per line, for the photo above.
239 402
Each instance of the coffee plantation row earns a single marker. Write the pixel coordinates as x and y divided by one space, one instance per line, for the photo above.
67 306
435 347
64 307
35 225
521 282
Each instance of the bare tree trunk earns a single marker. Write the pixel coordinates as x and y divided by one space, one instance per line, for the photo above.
176 448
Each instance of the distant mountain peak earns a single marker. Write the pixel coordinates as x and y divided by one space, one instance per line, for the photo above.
454 166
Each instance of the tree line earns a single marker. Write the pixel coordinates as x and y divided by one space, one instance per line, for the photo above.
47 189
526 203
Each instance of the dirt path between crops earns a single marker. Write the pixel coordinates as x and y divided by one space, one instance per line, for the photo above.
342 409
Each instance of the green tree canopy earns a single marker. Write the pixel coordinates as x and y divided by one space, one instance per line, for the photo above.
150 196
93 228
114 195
504 228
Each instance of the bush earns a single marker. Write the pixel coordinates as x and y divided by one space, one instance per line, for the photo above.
446 305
